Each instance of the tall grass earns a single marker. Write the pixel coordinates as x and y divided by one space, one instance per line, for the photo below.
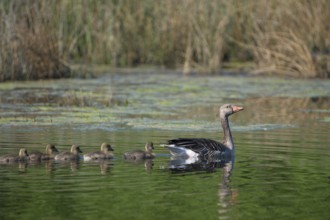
288 37
284 37
28 47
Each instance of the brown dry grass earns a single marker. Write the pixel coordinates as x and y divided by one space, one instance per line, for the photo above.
287 37
285 54
284 37
28 48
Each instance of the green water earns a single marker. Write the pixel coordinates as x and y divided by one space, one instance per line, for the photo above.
281 169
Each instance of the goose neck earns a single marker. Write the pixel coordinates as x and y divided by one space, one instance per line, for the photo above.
227 139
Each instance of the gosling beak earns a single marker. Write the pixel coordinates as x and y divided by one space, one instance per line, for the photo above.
237 108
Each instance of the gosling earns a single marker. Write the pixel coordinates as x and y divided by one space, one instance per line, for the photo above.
10 158
48 155
141 154
69 155
103 154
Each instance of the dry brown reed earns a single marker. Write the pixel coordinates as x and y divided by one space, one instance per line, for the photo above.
287 37
28 48
284 37
285 54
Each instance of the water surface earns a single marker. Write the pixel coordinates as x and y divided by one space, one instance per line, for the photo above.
281 169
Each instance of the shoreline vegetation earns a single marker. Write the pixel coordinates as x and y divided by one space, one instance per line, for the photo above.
42 39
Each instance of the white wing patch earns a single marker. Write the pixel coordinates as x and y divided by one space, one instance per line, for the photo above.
181 151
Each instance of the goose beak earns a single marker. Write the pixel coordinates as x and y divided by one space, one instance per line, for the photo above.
237 108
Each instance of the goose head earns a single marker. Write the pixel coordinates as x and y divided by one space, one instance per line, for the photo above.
228 109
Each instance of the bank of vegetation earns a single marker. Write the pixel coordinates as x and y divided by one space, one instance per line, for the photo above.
40 39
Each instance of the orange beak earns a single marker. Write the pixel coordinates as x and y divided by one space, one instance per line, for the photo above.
237 108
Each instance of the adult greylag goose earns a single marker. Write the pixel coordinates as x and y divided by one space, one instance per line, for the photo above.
141 154
205 149
103 154
49 153
10 158
71 155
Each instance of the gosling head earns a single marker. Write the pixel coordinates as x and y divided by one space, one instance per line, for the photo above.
75 149
149 146
50 149
106 147
23 153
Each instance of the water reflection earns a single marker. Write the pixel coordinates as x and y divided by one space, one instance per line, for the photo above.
184 164
147 163
73 165
104 165
227 196
20 165
49 165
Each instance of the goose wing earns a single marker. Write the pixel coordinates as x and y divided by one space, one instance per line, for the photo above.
201 146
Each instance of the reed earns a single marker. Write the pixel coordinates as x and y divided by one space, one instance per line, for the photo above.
287 37
28 48
283 37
